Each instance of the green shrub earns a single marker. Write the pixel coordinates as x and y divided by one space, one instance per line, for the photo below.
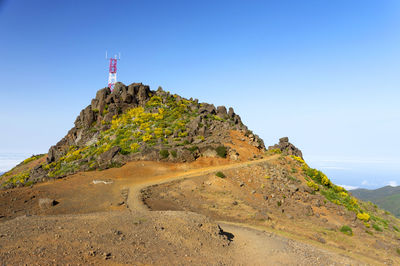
215 117
396 228
377 228
398 250
193 148
32 158
345 229
221 151
18 178
275 151
164 154
220 174
173 153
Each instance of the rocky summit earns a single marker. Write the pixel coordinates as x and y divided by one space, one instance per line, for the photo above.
135 123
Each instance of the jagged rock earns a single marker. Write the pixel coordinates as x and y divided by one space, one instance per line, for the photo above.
221 111
109 155
286 147
233 155
207 108
231 113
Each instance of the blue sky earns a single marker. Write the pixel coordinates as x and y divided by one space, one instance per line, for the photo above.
324 73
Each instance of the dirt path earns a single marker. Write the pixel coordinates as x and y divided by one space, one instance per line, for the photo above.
250 246
134 199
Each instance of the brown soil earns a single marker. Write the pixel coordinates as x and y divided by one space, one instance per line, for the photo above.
91 224
277 204
243 146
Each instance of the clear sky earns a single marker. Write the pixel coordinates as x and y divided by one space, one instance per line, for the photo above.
324 73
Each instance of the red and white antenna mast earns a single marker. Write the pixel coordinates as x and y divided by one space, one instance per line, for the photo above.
112 73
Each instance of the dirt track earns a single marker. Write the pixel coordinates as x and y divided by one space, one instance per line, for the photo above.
138 236
251 246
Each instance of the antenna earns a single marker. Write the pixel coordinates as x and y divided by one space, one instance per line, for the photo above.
112 72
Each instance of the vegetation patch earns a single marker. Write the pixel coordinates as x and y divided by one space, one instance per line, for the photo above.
164 154
33 158
221 151
318 181
345 229
377 228
173 153
156 122
274 151
220 174
20 178
193 149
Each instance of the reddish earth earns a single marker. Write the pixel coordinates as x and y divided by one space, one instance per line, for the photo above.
109 224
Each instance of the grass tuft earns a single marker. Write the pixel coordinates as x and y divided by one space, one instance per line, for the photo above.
220 174
345 229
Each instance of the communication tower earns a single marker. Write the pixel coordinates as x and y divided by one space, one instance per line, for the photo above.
112 73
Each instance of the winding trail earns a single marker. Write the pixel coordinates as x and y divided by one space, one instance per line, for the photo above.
251 245
134 197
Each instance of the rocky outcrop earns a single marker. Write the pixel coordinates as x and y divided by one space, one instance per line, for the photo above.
286 147
104 107
212 124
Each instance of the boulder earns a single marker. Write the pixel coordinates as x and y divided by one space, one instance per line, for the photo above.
221 111
210 153
207 108
287 148
107 156
45 203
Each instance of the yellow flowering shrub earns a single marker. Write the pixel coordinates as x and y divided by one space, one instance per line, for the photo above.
147 137
313 185
363 216
275 151
135 147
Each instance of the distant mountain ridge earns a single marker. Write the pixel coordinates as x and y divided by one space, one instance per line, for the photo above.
387 197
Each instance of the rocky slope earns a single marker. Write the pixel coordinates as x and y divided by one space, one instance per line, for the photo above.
283 193
135 123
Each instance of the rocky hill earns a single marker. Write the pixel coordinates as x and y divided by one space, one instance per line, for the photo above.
135 123
133 150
